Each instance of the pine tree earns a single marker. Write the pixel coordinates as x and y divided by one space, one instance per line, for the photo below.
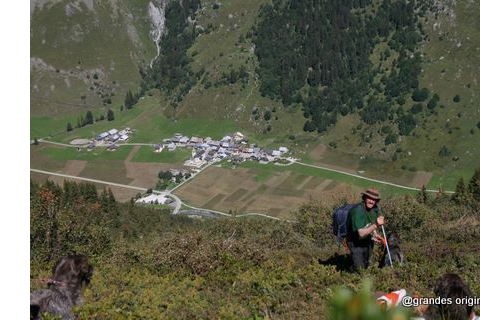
89 117
89 192
110 115
474 186
129 101
70 192
422 195
35 141
104 200
69 127
461 194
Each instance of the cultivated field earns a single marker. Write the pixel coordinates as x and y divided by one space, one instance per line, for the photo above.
270 189
118 166
373 168
236 190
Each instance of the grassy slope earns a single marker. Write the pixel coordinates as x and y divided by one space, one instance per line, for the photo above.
233 102
84 43
448 70
264 171
461 75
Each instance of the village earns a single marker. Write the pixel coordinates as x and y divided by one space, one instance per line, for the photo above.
232 147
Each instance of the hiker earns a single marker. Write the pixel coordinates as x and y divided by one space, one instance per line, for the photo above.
363 220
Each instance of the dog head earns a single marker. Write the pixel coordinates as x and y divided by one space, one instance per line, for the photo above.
70 274
73 270
393 239
396 254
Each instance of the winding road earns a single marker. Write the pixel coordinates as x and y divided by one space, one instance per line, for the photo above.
288 164
178 201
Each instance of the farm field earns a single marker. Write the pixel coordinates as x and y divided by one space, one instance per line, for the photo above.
372 168
270 189
146 154
117 166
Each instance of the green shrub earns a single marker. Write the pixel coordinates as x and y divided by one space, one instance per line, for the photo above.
404 214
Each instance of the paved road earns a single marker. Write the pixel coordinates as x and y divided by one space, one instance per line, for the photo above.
369 179
79 146
289 164
238 215
88 179
178 201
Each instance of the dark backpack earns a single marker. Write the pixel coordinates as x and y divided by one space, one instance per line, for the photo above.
340 219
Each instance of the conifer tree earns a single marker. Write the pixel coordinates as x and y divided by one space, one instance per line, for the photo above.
129 101
422 195
110 115
474 186
461 192
89 117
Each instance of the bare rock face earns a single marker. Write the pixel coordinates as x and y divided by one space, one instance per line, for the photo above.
156 12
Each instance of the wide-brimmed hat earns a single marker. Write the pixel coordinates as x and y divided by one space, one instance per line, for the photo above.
372 193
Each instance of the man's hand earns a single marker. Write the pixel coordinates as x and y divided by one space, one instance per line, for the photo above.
380 221
377 238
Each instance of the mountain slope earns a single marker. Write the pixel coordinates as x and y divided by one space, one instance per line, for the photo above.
85 53
222 77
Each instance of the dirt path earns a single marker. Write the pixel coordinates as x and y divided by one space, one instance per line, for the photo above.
317 153
132 153
422 178
323 185
304 183
74 167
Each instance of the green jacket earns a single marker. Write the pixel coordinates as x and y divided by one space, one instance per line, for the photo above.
358 218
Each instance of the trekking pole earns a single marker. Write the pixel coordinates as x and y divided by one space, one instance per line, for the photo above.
386 244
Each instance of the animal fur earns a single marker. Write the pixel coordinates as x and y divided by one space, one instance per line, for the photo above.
70 275
393 241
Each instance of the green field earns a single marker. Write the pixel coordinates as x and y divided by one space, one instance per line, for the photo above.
41 127
178 156
159 127
98 154
111 171
149 125
264 171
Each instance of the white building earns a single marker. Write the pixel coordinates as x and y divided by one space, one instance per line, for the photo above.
153 198
283 149
112 132
171 146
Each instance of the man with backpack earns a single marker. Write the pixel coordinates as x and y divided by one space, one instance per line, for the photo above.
362 223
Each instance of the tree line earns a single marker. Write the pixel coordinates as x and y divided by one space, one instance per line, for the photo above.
317 54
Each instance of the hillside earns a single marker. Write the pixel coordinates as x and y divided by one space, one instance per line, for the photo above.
86 55
153 265
218 71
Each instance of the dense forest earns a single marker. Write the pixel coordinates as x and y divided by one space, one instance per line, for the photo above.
150 264
171 71
318 54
